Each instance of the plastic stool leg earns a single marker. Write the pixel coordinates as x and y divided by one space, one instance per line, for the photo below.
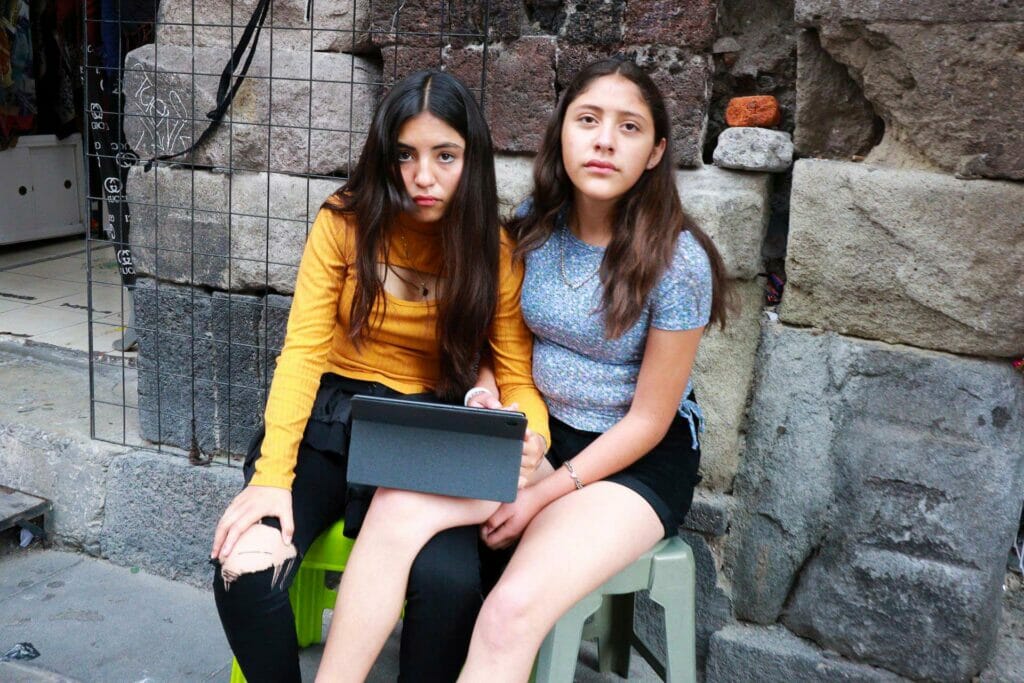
672 587
612 628
556 660
306 595
236 672
613 649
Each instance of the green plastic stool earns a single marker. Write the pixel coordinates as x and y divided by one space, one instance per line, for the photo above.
667 571
308 595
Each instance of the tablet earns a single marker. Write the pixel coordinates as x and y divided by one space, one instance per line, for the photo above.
435 448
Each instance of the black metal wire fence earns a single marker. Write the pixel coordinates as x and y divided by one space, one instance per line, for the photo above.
216 130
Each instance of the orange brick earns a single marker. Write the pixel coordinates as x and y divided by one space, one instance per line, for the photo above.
760 110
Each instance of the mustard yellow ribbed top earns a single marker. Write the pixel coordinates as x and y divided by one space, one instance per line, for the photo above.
402 353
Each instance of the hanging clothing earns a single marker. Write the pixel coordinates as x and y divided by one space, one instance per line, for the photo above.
17 80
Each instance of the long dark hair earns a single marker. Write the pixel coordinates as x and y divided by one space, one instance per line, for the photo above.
648 218
375 195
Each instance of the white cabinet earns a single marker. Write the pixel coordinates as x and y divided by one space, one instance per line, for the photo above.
42 189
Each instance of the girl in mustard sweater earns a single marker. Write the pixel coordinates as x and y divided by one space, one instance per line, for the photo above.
406 277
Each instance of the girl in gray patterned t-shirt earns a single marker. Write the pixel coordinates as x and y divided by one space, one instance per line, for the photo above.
619 287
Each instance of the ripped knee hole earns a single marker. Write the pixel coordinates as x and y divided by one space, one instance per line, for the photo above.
259 548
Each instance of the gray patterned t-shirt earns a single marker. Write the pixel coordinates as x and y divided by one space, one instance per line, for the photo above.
587 379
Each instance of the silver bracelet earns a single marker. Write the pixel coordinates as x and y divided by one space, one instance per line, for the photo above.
572 473
475 391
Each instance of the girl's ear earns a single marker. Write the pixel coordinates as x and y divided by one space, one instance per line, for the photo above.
656 154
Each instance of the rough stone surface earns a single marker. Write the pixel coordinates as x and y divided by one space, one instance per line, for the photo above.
200 368
515 180
761 60
1005 663
273 325
948 91
752 654
833 119
419 24
594 22
401 60
722 377
878 496
733 208
750 148
682 77
181 227
165 526
907 257
789 435
520 89
932 11
710 514
45 445
337 25
309 115
686 23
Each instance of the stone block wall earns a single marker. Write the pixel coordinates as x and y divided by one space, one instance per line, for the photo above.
864 440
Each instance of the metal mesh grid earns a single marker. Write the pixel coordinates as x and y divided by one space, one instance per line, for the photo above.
209 240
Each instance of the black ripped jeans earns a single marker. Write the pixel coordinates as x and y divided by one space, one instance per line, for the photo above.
447 582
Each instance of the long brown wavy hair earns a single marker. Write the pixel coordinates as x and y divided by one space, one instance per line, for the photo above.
375 196
648 218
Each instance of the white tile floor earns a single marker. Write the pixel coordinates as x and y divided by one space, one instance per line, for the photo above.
43 294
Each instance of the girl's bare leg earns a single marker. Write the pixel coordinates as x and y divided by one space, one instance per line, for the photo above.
570 548
397 526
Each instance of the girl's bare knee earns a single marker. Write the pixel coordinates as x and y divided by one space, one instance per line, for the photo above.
508 615
260 547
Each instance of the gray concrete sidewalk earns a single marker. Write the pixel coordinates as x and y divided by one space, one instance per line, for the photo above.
96 621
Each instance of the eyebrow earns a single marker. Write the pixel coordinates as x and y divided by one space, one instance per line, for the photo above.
443 145
624 112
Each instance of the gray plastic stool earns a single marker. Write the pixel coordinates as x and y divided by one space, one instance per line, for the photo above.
667 572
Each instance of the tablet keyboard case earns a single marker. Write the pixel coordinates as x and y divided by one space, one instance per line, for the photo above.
433 448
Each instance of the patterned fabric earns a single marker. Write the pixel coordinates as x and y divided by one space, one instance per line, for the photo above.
17 82
588 380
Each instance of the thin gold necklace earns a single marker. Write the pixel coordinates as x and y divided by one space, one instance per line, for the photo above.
424 290
561 265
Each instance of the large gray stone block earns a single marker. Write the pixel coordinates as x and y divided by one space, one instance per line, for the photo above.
784 486
943 76
69 472
184 220
199 368
296 112
335 25
166 525
45 444
733 208
879 492
272 329
755 654
722 376
907 257
833 119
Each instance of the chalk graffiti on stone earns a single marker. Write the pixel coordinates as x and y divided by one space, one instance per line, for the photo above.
163 118
126 159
